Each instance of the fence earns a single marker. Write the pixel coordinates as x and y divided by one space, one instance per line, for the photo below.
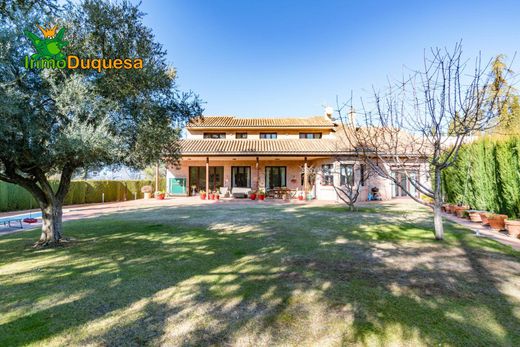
13 197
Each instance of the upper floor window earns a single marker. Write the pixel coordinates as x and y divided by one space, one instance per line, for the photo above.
241 135
214 135
327 178
268 135
310 135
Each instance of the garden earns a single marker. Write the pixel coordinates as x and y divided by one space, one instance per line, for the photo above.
260 275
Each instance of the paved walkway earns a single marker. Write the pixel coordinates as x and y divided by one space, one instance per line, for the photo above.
75 212
485 231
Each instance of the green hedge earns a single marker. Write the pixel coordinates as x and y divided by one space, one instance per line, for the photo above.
486 176
13 197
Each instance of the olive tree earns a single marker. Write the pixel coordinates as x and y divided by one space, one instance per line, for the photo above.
56 122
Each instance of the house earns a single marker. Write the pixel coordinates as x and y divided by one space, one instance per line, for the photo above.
301 154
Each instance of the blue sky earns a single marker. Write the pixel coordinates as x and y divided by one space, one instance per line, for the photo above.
289 58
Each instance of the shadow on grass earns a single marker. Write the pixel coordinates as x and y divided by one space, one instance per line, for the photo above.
202 276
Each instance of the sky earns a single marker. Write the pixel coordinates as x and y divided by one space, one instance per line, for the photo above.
292 58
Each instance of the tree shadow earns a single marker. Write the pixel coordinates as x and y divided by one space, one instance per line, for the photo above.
180 276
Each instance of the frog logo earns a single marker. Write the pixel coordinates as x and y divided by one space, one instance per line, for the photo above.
50 46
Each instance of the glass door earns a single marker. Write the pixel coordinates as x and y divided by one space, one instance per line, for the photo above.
275 176
241 176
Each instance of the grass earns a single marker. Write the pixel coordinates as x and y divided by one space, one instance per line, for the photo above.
260 275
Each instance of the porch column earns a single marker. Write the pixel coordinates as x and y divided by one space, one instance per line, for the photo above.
305 177
207 175
257 175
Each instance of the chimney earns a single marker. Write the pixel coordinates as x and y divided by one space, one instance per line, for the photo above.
352 116
329 111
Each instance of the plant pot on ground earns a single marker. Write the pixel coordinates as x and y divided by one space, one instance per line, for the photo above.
513 227
474 216
483 216
147 191
496 221
460 211
202 195
160 195
261 195
252 196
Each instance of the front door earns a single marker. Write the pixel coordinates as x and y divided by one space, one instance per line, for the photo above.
275 176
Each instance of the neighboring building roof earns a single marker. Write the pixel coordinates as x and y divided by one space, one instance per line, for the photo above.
227 147
233 122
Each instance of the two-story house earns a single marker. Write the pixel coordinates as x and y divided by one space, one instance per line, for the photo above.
301 154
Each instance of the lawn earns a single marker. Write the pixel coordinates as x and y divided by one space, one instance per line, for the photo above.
260 275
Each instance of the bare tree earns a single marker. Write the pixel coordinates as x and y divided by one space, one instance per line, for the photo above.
352 178
415 128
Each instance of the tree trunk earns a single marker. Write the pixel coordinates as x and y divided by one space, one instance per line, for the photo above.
52 224
437 222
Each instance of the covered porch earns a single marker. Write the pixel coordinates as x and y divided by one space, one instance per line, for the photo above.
273 174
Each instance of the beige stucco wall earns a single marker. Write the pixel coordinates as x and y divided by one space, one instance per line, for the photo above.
294 170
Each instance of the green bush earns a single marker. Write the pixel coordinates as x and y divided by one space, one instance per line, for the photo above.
13 197
486 176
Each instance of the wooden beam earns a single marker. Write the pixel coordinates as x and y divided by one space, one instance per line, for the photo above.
305 178
207 175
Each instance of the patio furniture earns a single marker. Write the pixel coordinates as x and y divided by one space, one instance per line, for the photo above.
239 192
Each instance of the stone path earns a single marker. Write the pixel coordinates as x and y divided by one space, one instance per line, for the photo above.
485 231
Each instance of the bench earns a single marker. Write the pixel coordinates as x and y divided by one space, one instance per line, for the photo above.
240 192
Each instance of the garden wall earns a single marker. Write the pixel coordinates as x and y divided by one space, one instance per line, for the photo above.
13 197
486 176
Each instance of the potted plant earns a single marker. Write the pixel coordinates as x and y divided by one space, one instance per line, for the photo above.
160 195
147 191
474 216
301 196
261 195
483 216
211 196
497 221
513 227
460 211
217 195
252 195
203 194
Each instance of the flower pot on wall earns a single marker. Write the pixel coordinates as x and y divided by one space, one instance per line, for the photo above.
497 221
513 228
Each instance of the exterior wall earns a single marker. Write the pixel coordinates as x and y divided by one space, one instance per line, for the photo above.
255 133
293 179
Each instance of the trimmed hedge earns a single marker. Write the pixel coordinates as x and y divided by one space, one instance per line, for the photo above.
486 176
13 197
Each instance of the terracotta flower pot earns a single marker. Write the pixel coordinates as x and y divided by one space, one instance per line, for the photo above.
497 221
217 196
300 197
513 228
203 196
483 216
459 211
160 196
474 216
252 196
261 197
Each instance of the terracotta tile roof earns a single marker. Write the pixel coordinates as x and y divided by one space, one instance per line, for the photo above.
226 147
234 122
